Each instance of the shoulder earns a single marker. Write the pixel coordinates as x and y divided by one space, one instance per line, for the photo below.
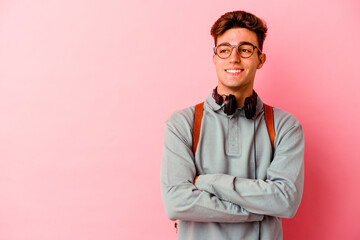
181 122
283 117
286 123
182 117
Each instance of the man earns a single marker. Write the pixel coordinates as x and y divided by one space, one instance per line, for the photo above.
235 185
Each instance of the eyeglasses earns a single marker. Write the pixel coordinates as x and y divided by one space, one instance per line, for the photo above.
245 50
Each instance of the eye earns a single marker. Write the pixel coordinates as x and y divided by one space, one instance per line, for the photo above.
245 49
224 50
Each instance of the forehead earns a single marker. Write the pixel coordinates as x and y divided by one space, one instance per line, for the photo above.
236 35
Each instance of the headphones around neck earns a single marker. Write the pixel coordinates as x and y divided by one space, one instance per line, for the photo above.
230 104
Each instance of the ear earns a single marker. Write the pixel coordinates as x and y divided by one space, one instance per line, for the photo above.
262 60
214 58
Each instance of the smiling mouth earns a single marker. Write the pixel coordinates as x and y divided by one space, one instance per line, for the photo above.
234 70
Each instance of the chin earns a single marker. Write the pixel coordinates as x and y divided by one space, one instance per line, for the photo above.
232 84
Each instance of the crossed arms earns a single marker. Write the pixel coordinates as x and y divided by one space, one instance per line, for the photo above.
226 198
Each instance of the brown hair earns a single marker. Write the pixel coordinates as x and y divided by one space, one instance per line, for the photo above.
240 19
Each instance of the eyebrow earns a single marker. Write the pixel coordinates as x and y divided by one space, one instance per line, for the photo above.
240 43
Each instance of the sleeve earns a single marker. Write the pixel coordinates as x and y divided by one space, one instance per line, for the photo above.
280 194
182 200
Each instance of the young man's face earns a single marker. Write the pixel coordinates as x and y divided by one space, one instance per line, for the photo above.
236 73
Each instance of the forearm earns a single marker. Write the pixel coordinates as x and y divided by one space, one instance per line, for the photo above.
275 198
189 204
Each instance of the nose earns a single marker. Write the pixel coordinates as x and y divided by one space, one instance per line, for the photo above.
234 55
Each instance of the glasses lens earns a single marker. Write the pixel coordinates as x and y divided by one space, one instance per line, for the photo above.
223 51
246 50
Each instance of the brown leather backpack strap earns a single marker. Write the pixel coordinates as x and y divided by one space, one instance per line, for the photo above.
269 120
197 125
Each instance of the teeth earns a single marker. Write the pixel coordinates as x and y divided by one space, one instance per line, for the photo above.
233 71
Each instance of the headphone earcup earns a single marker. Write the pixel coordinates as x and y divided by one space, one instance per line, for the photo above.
230 104
250 106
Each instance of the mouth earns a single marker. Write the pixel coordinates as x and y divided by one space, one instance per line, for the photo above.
234 70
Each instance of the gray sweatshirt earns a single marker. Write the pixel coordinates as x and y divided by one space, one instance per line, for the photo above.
244 188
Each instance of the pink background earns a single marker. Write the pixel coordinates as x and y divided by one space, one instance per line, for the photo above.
86 86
